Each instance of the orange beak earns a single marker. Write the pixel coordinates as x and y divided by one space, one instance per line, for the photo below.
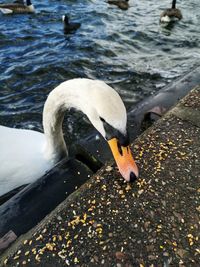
124 160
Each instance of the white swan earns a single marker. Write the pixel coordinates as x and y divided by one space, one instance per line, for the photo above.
25 155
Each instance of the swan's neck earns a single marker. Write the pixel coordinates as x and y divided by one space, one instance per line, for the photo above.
173 3
91 97
58 101
65 96
53 115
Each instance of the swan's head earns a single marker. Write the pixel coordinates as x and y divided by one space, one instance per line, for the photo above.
105 110
109 117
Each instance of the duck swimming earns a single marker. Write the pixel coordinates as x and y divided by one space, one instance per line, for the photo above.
26 155
122 4
171 14
17 7
69 26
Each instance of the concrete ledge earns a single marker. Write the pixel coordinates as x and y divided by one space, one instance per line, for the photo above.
108 222
187 114
189 108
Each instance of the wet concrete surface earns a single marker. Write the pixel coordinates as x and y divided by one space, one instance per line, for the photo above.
108 222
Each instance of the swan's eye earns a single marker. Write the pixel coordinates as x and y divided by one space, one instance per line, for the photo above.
102 119
124 140
111 132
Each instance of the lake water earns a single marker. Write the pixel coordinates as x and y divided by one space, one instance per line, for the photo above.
127 49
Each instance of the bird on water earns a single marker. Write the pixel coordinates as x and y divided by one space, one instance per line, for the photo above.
171 14
122 4
17 7
26 155
69 26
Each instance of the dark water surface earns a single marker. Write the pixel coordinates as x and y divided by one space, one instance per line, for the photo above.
127 49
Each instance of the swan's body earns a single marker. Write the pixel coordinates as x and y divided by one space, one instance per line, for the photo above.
18 7
122 4
171 14
22 157
69 26
26 155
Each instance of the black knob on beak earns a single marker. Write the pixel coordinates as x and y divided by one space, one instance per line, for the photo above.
133 177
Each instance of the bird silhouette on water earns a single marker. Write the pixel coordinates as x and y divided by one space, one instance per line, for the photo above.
122 4
70 27
171 14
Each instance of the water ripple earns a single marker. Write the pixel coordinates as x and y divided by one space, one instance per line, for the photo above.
127 49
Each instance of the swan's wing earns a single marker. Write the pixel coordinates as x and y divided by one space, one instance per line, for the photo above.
21 157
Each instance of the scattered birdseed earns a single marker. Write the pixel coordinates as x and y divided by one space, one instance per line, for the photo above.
39 237
50 246
34 250
19 252
121 192
109 168
5 261
76 260
27 253
37 257
60 254
44 230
